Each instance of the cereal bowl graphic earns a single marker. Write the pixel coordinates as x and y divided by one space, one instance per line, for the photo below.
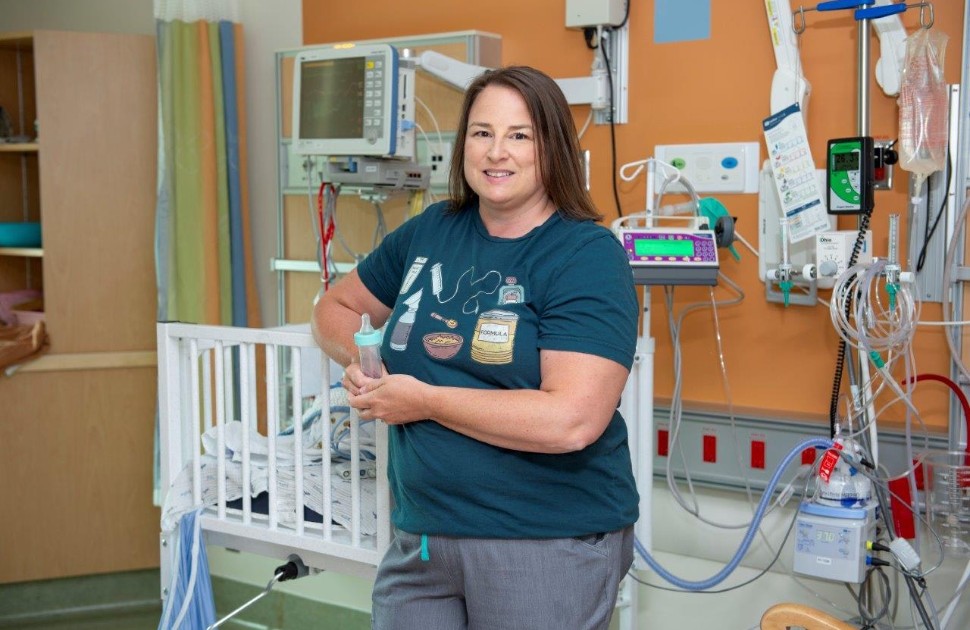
442 345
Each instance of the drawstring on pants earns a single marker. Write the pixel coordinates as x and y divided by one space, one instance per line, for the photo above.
425 554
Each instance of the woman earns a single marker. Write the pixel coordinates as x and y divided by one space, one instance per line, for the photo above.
511 327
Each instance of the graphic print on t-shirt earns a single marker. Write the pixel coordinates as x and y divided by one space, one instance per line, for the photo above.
493 339
485 285
511 293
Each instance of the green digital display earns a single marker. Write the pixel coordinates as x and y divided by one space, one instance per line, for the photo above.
663 247
848 161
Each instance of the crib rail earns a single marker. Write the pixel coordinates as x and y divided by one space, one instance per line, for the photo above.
211 376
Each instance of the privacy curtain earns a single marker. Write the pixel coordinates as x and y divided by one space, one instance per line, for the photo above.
203 238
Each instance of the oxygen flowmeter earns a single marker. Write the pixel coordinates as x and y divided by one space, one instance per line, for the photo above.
850 175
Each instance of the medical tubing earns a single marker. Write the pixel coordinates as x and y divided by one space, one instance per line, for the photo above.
749 535
958 227
957 594
840 360
884 506
964 404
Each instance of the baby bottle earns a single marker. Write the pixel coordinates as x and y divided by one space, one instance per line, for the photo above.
368 343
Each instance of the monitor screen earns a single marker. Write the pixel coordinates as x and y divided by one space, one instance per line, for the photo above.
345 100
332 98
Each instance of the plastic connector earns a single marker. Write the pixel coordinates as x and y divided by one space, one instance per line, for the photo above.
877 360
786 286
891 289
905 554
293 569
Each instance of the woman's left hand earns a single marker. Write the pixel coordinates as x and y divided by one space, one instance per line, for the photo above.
393 398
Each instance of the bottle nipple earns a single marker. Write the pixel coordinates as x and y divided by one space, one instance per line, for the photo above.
365 325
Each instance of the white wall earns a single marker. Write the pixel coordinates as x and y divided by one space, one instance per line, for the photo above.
267 28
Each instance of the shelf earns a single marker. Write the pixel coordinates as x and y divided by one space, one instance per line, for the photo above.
89 361
19 147
27 252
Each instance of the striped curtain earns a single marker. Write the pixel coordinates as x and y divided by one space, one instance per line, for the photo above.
203 238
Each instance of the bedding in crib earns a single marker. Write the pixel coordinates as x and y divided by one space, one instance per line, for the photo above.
315 430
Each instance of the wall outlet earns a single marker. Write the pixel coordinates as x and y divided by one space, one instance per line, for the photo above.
296 174
435 153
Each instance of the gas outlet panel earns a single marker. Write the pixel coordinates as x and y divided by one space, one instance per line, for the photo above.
728 167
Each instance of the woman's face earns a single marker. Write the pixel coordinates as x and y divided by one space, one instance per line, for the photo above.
501 163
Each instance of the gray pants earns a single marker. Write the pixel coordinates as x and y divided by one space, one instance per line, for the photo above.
492 584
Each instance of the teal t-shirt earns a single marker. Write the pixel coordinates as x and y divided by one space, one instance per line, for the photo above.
472 310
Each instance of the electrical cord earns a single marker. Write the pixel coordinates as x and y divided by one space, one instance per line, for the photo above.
840 359
916 600
612 115
928 231
869 618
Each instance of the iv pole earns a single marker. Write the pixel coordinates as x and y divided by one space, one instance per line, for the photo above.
862 16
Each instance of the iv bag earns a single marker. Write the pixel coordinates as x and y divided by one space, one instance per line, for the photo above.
923 106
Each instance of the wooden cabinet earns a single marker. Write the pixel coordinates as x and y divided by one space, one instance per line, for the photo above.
76 425
20 267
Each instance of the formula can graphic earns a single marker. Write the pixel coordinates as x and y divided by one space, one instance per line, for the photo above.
494 337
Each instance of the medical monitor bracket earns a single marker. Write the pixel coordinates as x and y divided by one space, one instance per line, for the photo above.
592 90
353 100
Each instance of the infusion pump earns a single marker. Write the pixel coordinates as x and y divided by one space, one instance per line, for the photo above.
671 255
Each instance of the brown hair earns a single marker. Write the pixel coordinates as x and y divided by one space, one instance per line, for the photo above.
557 145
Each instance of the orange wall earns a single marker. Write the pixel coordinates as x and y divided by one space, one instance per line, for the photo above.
779 361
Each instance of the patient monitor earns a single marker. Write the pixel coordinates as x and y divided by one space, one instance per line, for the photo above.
353 100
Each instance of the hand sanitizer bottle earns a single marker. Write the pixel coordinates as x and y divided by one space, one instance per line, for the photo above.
368 343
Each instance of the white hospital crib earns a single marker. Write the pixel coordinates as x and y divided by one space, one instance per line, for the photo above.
233 405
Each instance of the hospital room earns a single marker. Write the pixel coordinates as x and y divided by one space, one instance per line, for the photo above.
709 257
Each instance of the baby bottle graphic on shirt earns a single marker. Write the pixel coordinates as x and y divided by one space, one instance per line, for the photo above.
402 330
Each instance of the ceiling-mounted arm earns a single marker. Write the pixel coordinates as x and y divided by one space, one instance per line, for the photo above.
788 85
892 46
592 90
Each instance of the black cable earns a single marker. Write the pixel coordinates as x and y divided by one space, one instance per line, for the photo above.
911 582
840 361
921 260
626 15
609 77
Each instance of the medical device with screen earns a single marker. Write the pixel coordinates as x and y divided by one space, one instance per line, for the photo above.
671 256
346 101
850 173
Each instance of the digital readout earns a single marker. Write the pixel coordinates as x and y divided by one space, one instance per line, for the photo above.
845 161
663 247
